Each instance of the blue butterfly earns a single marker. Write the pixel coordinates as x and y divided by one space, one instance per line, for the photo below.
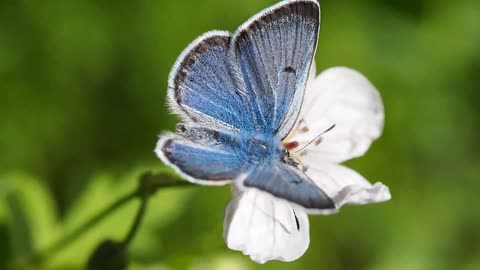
239 96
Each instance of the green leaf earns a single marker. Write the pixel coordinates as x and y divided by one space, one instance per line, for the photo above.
103 190
29 213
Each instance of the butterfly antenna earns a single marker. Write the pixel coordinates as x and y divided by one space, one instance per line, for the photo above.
315 139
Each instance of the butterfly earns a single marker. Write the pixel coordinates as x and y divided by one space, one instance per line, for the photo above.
239 96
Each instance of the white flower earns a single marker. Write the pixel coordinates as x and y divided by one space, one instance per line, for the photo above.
268 228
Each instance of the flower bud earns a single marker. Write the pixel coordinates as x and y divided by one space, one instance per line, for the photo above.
109 255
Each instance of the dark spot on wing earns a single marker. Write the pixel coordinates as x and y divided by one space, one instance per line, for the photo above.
289 69
181 128
167 150
296 220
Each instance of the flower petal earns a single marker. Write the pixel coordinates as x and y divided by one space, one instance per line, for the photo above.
345 98
312 74
265 228
345 186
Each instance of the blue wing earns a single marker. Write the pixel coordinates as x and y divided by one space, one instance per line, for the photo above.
274 51
204 87
201 155
253 81
289 183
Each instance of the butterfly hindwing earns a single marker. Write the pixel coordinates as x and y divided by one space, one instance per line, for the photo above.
289 183
202 155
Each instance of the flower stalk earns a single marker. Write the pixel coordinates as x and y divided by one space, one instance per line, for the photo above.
148 184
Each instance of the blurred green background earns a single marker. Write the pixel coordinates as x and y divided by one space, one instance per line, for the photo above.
82 100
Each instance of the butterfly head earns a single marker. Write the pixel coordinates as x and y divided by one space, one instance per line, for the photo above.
262 149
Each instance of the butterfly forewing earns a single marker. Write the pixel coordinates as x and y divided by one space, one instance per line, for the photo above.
204 89
274 51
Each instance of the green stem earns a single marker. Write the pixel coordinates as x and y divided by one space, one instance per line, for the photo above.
148 184
136 223
75 234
